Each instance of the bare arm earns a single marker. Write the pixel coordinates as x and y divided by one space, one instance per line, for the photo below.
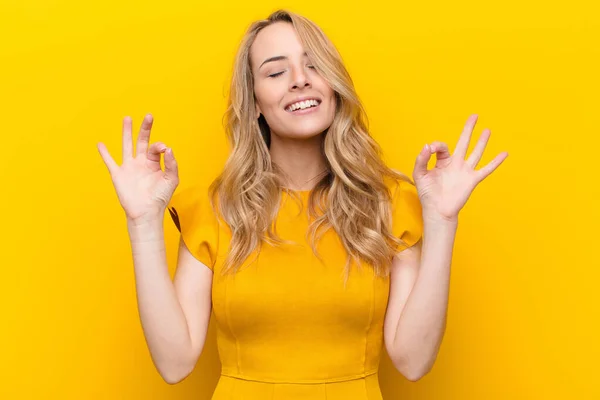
415 330
174 314
418 303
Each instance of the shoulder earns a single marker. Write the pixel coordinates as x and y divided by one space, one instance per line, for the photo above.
400 186
191 202
195 191
407 219
192 213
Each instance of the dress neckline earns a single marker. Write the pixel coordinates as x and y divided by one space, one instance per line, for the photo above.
301 193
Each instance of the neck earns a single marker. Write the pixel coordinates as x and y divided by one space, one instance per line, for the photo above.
300 159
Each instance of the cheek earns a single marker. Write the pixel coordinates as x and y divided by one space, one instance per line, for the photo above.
266 95
329 92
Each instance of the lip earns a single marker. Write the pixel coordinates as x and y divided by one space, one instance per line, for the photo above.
305 111
303 99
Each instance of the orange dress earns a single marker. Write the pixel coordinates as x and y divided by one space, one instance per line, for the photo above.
286 326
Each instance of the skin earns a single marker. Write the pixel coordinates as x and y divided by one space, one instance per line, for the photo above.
175 314
420 275
415 320
295 139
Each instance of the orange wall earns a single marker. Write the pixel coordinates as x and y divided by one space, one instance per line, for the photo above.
524 300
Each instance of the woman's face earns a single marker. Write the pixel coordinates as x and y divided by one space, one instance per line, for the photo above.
283 75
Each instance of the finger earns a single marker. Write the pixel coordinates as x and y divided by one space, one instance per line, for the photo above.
441 150
423 158
155 150
171 169
144 135
490 167
463 142
127 140
108 160
475 156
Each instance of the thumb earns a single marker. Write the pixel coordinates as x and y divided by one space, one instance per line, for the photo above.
171 170
423 158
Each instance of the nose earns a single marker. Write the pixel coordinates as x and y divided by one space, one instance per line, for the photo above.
299 79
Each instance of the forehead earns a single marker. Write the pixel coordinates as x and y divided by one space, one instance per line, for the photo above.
278 39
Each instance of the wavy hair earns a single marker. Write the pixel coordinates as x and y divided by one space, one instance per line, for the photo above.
352 198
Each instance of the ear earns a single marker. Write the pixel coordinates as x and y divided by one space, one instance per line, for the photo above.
258 112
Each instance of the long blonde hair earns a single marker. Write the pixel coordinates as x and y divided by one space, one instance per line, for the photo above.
352 198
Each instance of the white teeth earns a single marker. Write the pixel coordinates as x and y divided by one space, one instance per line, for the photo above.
303 104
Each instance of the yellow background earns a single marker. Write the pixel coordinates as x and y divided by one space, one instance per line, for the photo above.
524 299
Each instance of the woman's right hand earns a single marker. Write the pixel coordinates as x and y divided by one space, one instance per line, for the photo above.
143 189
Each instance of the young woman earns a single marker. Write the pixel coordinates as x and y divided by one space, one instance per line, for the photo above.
312 253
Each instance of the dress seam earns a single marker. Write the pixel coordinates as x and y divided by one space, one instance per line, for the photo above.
299 382
368 329
237 347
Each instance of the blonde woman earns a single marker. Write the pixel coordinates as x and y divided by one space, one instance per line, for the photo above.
312 254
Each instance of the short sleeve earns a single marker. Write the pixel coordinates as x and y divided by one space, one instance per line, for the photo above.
407 215
194 218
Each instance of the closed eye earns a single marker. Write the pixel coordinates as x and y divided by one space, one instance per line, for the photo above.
279 73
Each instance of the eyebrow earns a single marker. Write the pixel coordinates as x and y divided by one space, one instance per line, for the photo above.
277 58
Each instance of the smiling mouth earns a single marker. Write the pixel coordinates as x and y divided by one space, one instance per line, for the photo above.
303 107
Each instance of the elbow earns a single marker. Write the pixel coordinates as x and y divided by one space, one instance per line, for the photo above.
412 370
415 364
174 375
175 369
413 374
172 379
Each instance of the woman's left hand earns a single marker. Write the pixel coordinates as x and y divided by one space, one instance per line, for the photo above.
445 189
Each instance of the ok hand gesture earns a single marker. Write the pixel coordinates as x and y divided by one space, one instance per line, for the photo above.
143 189
445 189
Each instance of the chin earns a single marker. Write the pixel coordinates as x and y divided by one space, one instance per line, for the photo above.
301 127
305 132
307 126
